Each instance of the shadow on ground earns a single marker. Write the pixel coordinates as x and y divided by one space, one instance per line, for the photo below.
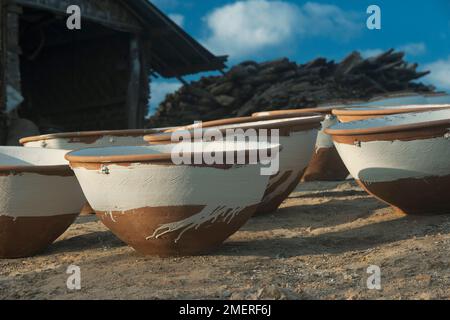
88 241
357 239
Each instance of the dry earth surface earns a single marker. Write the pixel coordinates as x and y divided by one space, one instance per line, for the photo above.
317 246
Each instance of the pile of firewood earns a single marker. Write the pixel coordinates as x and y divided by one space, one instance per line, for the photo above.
282 84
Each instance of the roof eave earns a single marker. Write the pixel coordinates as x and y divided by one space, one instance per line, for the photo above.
202 60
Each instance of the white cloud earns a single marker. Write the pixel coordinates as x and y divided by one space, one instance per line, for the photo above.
328 20
411 49
159 91
440 73
246 27
371 52
414 49
177 18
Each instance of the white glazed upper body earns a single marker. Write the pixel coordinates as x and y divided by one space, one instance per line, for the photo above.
141 185
224 192
35 194
380 161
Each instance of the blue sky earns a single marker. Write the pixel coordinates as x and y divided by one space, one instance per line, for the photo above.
303 30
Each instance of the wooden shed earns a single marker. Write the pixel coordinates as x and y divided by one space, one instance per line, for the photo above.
97 77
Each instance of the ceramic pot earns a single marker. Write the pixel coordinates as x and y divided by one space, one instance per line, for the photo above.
85 139
325 164
160 208
362 113
402 159
40 198
297 139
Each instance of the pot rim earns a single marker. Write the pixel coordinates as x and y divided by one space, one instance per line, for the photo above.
309 117
388 128
82 134
343 104
133 158
280 122
292 113
387 110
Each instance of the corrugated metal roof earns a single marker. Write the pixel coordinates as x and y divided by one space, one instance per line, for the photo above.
173 52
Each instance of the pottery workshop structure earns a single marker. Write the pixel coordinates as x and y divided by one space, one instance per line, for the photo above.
96 78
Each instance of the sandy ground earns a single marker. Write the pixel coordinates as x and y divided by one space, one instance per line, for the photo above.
317 246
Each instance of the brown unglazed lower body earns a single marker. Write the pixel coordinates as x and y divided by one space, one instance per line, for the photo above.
273 202
134 227
26 236
422 196
326 165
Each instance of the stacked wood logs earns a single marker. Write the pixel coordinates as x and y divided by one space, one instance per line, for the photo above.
282 84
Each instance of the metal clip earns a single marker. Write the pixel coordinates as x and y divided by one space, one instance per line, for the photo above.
357 143
104 169
44 144
447 135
